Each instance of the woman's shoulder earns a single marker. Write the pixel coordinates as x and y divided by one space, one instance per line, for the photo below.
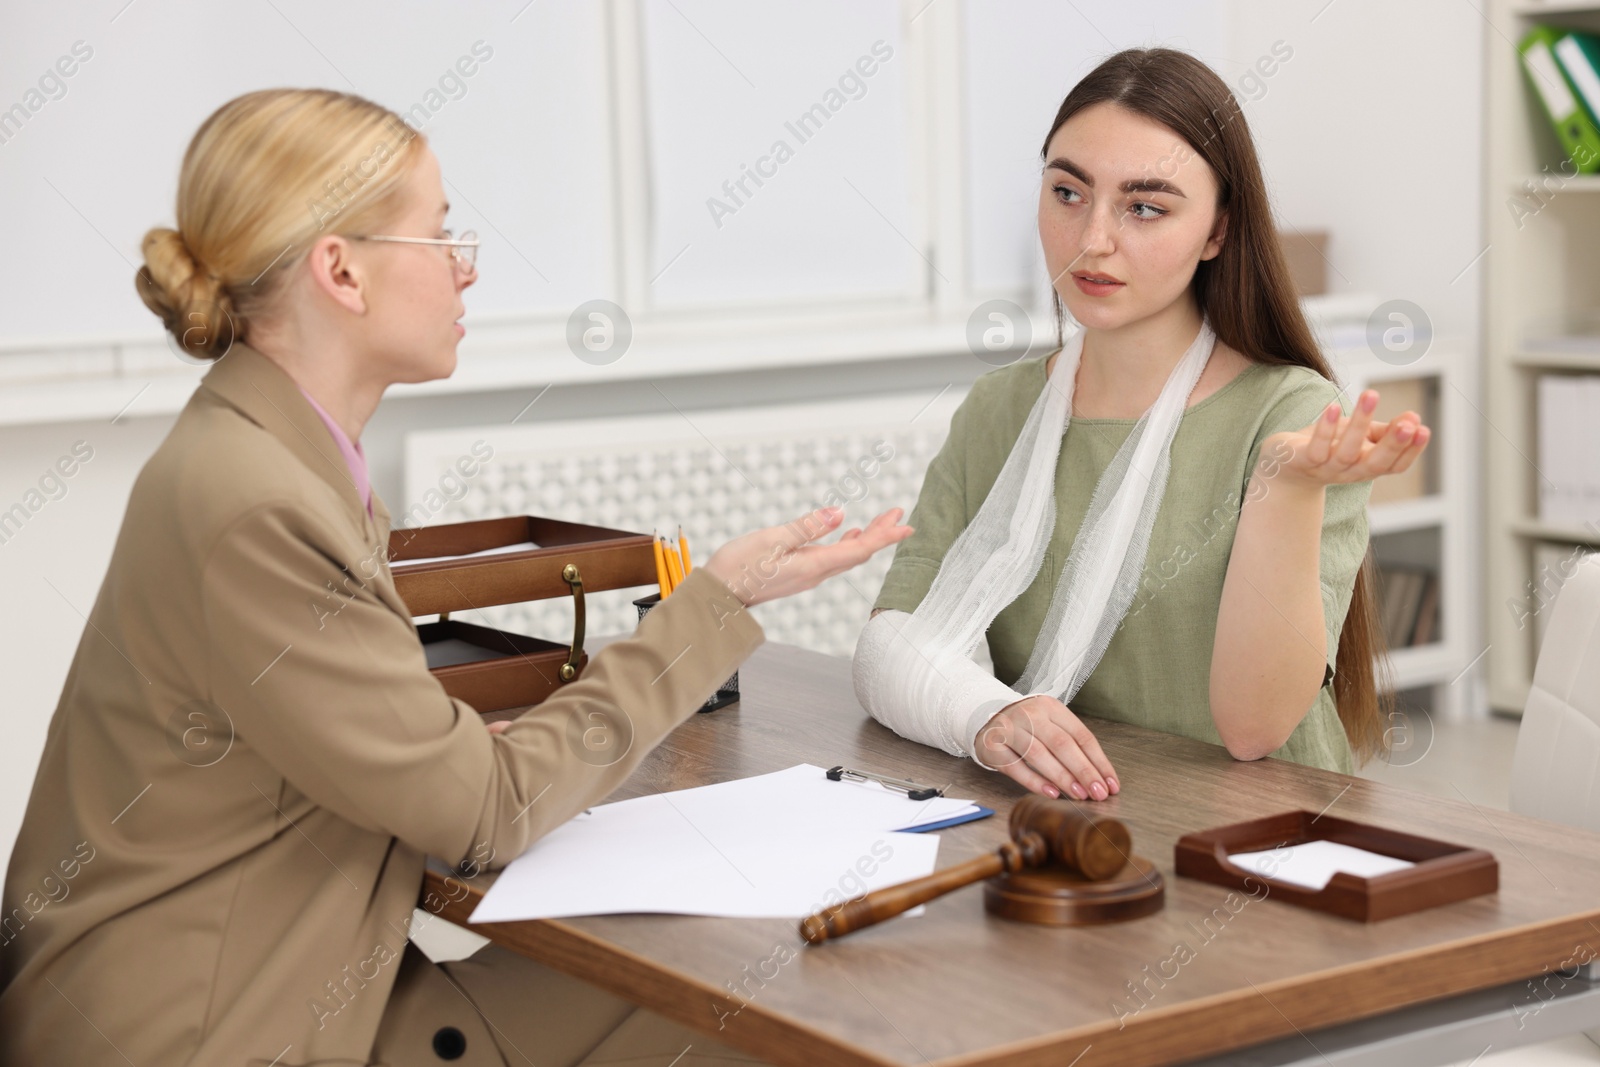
216 467
1287 396
1011 389
1282 381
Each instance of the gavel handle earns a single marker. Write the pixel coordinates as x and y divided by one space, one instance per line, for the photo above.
886 903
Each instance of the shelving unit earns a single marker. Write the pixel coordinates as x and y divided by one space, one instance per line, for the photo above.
1431 530
1539 267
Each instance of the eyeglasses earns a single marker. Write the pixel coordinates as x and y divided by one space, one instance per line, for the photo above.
463 249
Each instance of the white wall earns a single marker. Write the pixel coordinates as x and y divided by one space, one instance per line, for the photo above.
99 165
1370 130
1374 130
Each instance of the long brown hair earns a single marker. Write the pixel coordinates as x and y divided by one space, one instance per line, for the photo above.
1246 294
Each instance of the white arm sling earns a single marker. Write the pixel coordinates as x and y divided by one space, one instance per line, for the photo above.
915 673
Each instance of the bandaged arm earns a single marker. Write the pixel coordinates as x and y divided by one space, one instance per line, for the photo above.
934 696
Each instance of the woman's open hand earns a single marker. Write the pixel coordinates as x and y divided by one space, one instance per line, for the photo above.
1340 448
780 561
1039 742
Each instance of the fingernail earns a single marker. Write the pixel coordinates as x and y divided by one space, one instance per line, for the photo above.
1112 782
1369 401
1077 790
1098 791
1333 413
1405 432
1051 791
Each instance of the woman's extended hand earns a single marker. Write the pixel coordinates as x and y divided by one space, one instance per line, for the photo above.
1044 746
780 561
1339 448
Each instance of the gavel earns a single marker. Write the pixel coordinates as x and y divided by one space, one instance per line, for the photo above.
1043 831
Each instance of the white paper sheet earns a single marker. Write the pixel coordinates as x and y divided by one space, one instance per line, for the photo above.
804 794
1314 863
777 845
525 546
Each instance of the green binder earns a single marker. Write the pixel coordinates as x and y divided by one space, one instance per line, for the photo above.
1579 56
1575 127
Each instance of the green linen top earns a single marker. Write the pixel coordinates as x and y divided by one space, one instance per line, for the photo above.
1156 670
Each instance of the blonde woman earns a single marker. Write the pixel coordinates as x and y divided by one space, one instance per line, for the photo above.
246 903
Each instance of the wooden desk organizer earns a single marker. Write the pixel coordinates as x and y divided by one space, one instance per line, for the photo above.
1444 873
494 670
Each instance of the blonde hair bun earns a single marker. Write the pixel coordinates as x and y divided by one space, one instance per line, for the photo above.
192 303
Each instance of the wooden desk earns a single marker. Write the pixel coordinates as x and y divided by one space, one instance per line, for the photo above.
959 988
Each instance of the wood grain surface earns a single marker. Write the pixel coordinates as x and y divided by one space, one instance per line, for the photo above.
1214 971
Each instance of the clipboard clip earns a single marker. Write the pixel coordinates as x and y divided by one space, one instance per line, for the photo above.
911 789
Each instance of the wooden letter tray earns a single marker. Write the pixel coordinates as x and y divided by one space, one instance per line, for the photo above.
1444 873
492 669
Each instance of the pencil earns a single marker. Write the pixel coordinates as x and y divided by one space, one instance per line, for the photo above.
683 547
661 547
661 567
674 568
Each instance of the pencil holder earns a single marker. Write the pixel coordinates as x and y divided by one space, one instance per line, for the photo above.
727 693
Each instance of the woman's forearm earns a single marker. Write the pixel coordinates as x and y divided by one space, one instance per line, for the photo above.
1268 660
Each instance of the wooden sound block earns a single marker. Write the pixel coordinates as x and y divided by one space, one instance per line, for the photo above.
1059 896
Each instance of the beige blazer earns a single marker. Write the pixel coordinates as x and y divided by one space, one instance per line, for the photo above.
249 760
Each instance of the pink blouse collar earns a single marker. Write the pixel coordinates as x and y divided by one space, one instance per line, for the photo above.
354 457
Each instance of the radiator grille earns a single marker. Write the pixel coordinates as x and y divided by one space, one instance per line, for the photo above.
717 473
